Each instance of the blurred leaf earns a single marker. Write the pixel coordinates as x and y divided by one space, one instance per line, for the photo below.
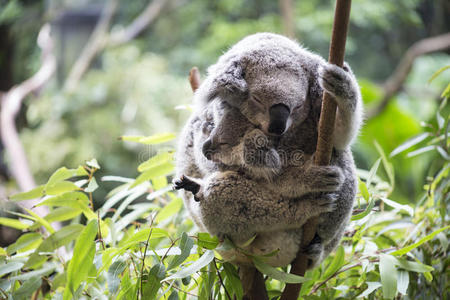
3 252
207 241
366 212
40 220
170 209
437 73
204 260
277 274
186 244
154 172
410 143
93 163
64 173
399 206
402 282
413 266
27 288
386 164
10 267
61 187
420 242
24 241
372 174
112 276
150 140
92 186
69 199
62 214
371 286
83 255
44 271
388 274
60 238
158 159
337 262
13 223
151 287
421 151
363 190
32 194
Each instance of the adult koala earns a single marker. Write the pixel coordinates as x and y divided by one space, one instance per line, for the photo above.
278 85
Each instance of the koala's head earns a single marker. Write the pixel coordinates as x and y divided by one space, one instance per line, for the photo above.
225 132
268 78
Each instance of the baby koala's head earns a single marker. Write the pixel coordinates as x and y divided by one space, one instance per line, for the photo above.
233 141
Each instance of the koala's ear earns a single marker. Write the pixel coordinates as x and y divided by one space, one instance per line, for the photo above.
228 81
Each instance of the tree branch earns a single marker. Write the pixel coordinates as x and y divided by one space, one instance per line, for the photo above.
287 17
394 83
324 149
148 16
11 103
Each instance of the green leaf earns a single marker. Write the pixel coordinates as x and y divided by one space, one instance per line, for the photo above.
62 214
46 270
60 238
93 163
399 206
386 164
420 242
402 281
112 276
372 173
388 274
364 191
186 244
13 223
207 241
92 186
3 252
336 263
83 255
371 286
142 236
32 194
64 173
204 260
69 199
232 279
277 274
367 211
61 187
151 287
413 266
10 267
27 288
170 209
150 140
25 242
409 143
158 159
154 172
437 73
41 221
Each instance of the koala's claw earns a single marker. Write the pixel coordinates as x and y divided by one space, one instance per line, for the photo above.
328 202
187 184
334 80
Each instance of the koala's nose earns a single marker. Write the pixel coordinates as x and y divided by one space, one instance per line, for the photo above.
279 114
207 149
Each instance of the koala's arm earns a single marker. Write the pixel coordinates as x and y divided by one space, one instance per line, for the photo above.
298 180
341 83
234 206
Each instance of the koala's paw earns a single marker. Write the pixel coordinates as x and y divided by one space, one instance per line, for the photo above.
188 184
326 202
340 83
326 178
314 251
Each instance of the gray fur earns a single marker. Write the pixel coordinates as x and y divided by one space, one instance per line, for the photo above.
257 73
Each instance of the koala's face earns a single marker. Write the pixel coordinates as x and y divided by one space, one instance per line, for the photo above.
225 133
275 100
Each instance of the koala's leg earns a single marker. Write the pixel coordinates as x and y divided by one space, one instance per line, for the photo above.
341 83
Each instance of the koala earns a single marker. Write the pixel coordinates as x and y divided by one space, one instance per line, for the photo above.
278 86
247 162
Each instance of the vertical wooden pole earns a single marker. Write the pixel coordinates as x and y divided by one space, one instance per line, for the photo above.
325 138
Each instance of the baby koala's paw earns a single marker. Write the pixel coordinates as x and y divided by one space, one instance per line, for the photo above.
326 178
326 202
188 184
340 83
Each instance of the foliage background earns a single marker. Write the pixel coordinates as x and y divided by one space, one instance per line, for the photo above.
140 88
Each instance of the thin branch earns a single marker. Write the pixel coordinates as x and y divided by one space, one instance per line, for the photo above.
220 279
287 17
95 44
394 83
11 103
148 16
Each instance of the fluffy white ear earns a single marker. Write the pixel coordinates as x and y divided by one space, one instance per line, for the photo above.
226 80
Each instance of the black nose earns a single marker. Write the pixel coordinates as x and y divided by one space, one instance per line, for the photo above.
279 114
207 149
